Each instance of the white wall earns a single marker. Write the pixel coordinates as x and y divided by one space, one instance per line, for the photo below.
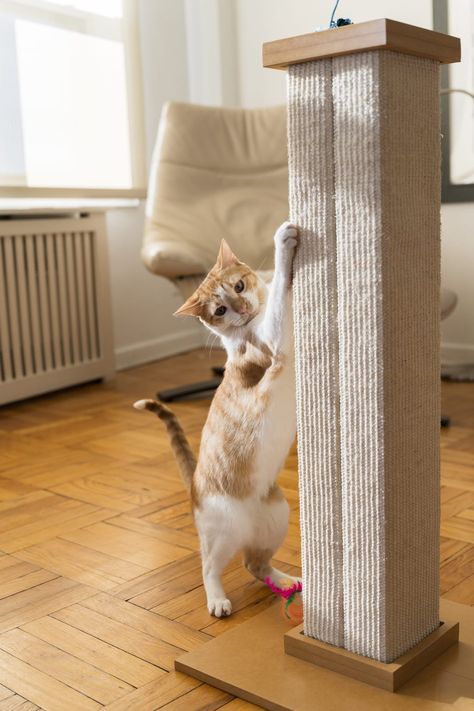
144 328
265 20
212 52
272 19
11 138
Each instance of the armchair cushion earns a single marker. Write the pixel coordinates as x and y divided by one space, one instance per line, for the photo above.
216 173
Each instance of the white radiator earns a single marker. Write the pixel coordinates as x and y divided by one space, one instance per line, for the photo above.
55 320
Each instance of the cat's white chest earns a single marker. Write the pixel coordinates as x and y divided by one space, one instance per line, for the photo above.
278 431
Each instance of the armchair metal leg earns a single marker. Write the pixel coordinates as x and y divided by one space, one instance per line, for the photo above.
184 391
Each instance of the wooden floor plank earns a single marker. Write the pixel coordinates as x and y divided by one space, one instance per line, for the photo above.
140 644
195 599
165 593
81 563
203 698
17 703
124 446
5 693
157 693
102 655
458 528
190 541
11 568
18 512
176 634
240 705
457 504
27 469
462 592
40 600
117 488
143 550
251 593
40 688
15 490
60 517
46 476
171 499
166 574
449 548
25 582
70 670
215 627
457 569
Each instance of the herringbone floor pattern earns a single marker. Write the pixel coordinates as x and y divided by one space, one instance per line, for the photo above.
100 582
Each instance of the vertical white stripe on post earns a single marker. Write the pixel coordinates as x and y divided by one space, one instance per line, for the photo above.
311 163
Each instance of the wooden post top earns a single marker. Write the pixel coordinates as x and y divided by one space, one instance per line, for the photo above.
362 37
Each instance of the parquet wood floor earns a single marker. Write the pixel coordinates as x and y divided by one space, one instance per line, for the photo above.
100 581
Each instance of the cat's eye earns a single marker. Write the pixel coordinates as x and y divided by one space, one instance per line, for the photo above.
239 287
220 311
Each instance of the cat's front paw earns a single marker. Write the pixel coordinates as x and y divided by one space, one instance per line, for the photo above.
286 237
219 607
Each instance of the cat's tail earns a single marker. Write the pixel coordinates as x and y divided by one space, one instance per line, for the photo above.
179 443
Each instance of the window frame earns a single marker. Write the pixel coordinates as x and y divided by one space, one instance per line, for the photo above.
76 20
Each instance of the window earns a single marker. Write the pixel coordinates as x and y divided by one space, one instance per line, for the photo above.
71 122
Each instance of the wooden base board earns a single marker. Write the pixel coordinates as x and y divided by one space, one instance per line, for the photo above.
249 661
385 676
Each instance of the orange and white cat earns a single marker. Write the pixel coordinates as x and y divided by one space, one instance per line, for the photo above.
250 427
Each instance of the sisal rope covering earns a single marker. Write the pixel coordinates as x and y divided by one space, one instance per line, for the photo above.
379 493
312 208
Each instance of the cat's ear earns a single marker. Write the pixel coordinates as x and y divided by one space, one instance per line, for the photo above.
191 307
226 257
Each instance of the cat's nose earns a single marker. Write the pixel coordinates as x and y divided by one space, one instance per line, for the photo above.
243 311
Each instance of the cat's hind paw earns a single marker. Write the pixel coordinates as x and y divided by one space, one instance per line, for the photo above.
219 607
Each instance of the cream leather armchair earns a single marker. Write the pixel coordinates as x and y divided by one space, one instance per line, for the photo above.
216 172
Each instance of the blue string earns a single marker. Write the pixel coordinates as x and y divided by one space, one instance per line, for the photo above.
332 22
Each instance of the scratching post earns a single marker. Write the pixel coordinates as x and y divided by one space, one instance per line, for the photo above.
364 158
364 165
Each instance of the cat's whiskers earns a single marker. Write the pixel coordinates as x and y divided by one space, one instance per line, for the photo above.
215 339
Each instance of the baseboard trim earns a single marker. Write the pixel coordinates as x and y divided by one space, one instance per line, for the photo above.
452 353
157 348
171 344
